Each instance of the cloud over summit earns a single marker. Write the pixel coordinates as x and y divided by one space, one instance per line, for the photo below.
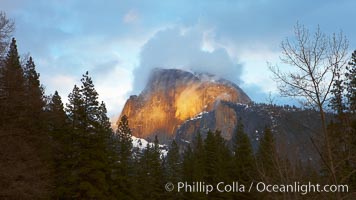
183 49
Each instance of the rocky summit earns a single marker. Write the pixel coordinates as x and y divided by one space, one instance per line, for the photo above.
172 97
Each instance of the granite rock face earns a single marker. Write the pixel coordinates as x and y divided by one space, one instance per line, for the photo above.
174 97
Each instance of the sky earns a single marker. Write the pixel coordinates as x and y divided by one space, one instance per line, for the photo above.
120 41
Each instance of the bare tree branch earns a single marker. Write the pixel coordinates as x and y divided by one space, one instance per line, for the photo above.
7 26
316 60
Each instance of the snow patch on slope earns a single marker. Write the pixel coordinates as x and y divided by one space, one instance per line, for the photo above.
141 144
198 116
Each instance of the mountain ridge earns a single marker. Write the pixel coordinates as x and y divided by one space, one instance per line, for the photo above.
173 96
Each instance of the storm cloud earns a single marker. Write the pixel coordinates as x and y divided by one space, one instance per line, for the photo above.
183 49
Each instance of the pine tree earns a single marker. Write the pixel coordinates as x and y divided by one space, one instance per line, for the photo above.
150 184
90 140
173 165
103 119
144 179
12 87
211 159
349 128
188 165
125 140
173 168
194 165
62 144
157 170
337 101
342 132
90 103
75 108
217 160
224 156
57 116
198 158
34 91
109 145
244 162
93 160
123 178
138 173
266 156
351 83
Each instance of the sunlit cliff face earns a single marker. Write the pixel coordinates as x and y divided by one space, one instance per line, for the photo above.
201 97
170 102
188 103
